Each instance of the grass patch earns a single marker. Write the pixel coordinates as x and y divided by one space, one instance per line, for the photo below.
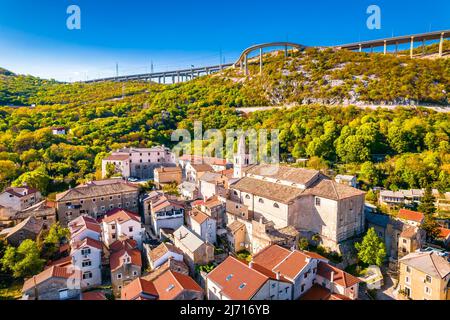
357 269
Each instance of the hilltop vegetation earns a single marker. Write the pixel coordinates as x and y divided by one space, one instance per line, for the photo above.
402 148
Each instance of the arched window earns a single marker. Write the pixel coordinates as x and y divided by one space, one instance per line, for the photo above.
247 197
261 200
276 205
235 193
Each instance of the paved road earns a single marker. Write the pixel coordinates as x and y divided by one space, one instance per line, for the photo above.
435 108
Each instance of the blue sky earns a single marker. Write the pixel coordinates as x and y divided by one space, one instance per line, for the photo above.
34 38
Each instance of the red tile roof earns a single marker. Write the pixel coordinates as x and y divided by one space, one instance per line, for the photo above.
292 265
318 292
87 242
123 243
82 223
93 295
171 284
120 215
117 157
410 215
271 256
341 277
236 280
444 233
121 248
63 262
139 289
198 216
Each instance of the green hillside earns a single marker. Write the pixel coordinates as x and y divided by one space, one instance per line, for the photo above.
401 148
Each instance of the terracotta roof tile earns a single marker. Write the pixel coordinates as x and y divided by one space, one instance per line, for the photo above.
236 280
162 249
93 296
52 272
198 216
139 289
410 215
171 284
120 216
341 277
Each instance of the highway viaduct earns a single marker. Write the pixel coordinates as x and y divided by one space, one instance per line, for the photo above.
182 75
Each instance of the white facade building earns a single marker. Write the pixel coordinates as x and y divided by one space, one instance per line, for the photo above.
120 223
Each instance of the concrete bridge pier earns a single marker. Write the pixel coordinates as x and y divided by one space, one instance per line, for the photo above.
385 48
441 45
360 48
396 48
423 47
246 65
411 50
260 61
285 51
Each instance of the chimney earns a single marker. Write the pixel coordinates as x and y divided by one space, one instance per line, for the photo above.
278 275
250 264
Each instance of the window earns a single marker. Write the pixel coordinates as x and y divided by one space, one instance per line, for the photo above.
428 278
102 199
404 240
318 202
113 226
273 285
135 273
87 275
228 278
276 205
119 276
302 288
407 280
103 208
408 269
85 252
130 229
428 290
110 198
247 196
86 263
305 275
235 193
261 200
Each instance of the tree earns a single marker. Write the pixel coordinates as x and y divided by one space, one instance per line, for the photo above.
303 243
52 240
372 249
431 227
427 202
37 179
23 261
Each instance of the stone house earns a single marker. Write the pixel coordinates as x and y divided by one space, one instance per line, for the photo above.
203 225
54 283
125 262
95 199
195 250
167 175
138 162
20 198
235 280
304 199
169 285
30 228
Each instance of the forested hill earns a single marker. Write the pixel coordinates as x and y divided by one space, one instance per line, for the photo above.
316 75
401 148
